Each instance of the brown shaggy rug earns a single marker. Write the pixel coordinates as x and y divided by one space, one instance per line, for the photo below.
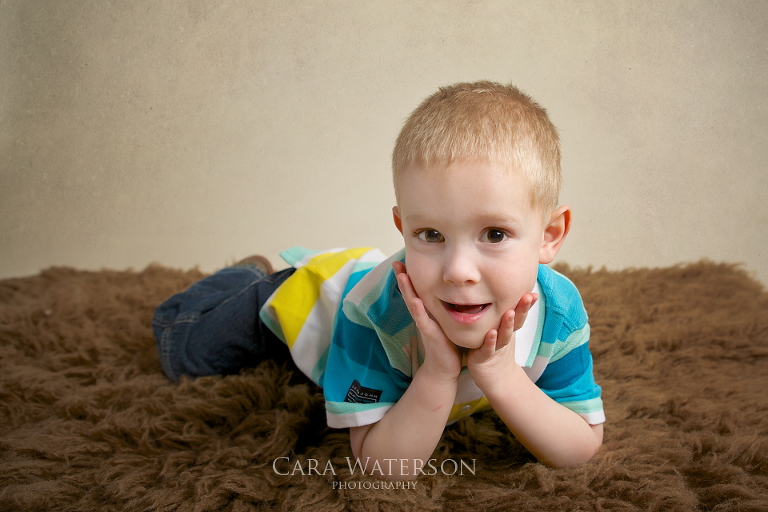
89 422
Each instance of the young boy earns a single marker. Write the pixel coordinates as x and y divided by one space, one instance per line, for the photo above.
467 316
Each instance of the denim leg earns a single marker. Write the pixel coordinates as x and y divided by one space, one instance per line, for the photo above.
213 328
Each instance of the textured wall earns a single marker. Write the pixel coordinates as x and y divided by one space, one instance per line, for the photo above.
192 133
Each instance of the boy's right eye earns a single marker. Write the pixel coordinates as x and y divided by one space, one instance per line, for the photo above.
430 235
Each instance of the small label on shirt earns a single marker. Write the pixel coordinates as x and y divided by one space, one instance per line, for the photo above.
357 394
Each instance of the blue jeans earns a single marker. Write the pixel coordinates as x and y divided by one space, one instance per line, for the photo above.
213 328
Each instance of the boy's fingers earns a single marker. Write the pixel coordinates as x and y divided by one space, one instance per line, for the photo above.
408 298
419 313
406 288
506 329
403 281
491 344
423 322
523 307
421 317
404 284
409 294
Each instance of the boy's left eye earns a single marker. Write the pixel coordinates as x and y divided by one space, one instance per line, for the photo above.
495 236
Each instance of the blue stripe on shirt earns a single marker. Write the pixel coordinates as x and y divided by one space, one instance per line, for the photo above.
570 378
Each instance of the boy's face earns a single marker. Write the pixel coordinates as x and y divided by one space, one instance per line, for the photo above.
472 244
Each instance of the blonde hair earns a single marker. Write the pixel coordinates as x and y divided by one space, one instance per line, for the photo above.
484 120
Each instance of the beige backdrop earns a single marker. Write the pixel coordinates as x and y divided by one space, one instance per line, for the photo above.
198 132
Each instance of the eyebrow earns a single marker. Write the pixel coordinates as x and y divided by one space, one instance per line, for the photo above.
488 219
492 219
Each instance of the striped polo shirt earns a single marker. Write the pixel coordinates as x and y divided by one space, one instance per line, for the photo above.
348 329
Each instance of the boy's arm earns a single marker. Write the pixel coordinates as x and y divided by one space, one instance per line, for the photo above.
409 432
404 439
554 434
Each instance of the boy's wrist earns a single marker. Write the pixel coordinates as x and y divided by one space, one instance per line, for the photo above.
434 392
502 384
439 375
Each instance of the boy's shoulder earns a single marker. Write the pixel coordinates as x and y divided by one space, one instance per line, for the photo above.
560 294
373 296
374 310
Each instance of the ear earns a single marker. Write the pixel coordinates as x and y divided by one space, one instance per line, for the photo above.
398 222
554 233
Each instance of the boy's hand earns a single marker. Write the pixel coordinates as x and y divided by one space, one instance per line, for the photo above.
442 358
493 363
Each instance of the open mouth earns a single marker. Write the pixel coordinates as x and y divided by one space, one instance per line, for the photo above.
466 309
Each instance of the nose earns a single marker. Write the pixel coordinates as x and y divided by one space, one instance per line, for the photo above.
460 266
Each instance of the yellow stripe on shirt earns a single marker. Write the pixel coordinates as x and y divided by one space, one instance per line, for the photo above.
294 300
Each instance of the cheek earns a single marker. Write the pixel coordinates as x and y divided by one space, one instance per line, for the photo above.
419 272
511 283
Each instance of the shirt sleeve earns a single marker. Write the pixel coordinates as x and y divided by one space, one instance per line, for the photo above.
360 385
569 381
568 377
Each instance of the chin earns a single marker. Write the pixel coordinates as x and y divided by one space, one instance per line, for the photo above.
466 342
